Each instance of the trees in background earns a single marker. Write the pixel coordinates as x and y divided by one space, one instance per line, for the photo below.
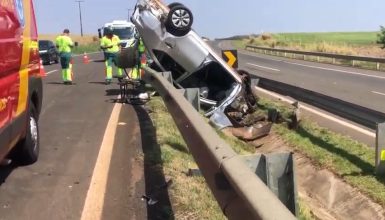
381 37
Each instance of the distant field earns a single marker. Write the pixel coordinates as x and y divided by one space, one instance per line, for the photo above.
346 43
351 38
86 39
86 44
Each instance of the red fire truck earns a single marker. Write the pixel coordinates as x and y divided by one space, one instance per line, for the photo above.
20 82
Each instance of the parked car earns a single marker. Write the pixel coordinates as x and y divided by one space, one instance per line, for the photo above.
48 52
173 45
20 82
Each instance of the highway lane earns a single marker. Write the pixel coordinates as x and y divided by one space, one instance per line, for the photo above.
358 86
73 124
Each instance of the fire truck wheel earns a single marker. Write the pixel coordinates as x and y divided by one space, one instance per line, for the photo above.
28 148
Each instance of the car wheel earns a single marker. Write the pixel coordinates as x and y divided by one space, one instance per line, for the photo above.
179 20
57 60
27 150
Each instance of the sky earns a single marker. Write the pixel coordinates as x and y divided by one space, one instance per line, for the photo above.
224 18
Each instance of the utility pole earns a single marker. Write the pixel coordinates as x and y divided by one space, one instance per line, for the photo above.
80 15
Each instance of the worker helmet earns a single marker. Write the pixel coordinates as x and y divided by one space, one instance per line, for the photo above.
108 31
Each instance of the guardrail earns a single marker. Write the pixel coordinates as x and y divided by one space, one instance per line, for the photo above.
238 190
359 114
376 60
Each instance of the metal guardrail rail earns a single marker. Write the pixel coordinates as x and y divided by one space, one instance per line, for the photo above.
359 114
239 192
319 54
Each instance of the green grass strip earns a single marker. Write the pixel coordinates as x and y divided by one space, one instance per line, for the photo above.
351 160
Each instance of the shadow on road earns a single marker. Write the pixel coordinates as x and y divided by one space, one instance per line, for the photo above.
61 83
99 61
55 83
156 183
112 92
5 171
100 83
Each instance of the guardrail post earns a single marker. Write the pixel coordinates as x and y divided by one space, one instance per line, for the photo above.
318 59
353 63
168 76
192 96
380 149
304 57
378 66
285 54
277 171
334 61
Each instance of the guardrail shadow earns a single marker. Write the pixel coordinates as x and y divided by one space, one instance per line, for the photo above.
367 169
156 184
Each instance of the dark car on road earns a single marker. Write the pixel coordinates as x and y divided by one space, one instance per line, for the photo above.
48 52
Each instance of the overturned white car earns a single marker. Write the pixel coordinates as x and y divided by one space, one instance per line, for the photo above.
175 47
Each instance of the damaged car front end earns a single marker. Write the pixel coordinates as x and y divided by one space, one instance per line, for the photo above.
225 94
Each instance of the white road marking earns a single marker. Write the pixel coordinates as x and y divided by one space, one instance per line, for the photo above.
323 68
336 70
263 67
327 116
93 206
52 71
379 93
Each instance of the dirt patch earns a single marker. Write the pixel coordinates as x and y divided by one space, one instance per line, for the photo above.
324 193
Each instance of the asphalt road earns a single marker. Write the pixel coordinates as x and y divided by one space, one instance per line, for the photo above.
71 179
358 86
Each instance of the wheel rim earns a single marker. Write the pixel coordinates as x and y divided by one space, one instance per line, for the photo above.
181 18
34 132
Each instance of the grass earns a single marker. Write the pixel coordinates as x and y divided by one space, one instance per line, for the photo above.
337 38
190 196
350 160
346 43
86 48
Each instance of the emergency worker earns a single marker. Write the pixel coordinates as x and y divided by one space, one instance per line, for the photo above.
110 45
135 72
65 45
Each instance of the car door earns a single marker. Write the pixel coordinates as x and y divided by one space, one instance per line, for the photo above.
51 51
10 59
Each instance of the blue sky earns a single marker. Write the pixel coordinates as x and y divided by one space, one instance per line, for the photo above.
222 18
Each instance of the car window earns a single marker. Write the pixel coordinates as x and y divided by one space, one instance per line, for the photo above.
169 64
124 32
212 78
43 45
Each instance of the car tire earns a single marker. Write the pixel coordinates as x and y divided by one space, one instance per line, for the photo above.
179 20
57 60
171 5
27 150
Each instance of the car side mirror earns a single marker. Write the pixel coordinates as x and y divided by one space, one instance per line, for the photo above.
100 33
76 44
